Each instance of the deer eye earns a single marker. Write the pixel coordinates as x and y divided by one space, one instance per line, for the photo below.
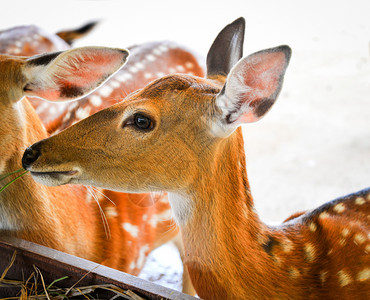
142 122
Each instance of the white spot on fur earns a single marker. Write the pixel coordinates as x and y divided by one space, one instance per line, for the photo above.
131 229
83 112
42 107
312 227
360 201
67 116
180 68
74 105
159 74
172 70
164 216
124 77
52 110
310 252
359 238
181 206
277 260
339 208
145 217
142 255
110 212
114 84
323 276
150 57
189 65
345 232
324 215
163 48
148 75
363 275
133 69
287 246
95 100
140 66
105 90
157 51
133 265
344 278
294 273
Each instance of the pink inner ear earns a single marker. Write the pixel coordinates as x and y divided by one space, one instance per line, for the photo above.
49 94
263 72
87 69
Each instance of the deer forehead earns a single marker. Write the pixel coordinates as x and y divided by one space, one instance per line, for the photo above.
180 91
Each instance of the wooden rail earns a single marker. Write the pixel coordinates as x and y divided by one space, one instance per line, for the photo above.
54 264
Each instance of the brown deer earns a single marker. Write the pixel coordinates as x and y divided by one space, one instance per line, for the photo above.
147 215
182 134
66 218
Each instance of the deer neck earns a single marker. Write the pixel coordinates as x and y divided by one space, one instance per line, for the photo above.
23 127
27 209
223 236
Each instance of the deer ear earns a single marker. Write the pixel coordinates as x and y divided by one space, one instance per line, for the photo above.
72 74
226 49
252 87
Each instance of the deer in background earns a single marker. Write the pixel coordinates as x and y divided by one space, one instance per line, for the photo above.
27 210
182 134
64 219
31 40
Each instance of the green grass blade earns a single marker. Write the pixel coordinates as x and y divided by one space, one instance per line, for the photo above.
10 182
56 280
11 173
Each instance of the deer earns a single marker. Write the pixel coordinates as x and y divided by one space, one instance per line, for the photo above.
148 213
67 218
30 40
182 134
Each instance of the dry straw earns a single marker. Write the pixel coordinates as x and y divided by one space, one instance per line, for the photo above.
36 288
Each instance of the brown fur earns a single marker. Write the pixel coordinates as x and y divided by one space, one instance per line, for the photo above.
230 253
66 218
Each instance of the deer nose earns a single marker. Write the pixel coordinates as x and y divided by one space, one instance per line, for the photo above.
30 156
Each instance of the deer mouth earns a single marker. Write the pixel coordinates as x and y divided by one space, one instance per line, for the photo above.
54 178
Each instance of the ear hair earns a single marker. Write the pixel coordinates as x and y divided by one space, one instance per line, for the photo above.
72 74
253 86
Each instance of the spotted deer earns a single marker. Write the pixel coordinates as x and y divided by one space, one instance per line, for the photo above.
66 218
182 134
31 40
149 224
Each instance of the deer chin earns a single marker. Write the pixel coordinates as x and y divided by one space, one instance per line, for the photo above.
55 178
